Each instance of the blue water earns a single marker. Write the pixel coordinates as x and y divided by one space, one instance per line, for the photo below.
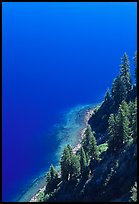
55 58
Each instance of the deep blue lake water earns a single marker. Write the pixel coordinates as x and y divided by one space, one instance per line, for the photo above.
56 57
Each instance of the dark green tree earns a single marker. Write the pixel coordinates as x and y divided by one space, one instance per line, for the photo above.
135 64
75 166
70 165
108 96
94 153
123 134
65 163
119 130
131 111
53 172
90 145
117 92
133 119
83 161
125 75
48 177
51 179
111 133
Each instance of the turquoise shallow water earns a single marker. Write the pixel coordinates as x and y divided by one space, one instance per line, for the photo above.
67 131
54 57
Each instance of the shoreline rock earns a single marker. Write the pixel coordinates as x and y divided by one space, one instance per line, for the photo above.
35 198
88 115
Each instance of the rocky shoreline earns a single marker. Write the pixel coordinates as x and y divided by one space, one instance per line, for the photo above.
88 114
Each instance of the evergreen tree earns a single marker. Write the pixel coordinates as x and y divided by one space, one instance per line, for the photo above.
122 129
119 128
53 173
65 163
51 179
108 96
70 165
48 177
90 145
117 92
133 119
94 153
133 92
83 161
125 75
75 166
135 64
111 133
131 112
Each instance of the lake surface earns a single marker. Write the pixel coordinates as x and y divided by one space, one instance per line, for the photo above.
57 58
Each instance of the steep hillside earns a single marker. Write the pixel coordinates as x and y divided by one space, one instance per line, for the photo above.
104 168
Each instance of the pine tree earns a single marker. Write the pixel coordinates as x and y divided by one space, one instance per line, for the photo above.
131 112
125 75
53 172
83 161
135 64
111 133
65 163
75 166
117 92
51 179
94 153
108 96
133 119
119 128
89 144
48 177
70 165
122 129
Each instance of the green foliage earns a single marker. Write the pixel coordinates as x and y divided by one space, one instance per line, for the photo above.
41 197
133 197
75 166
48 177
53 172
107 96
117 92
89 144
70 165
135 64
102 148
125 75
119 130
83 161
133 119
122 126
65 163
111 133
134 122
51 179
118 116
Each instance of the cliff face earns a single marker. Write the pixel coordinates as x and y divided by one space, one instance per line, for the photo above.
111 180
113 177
108 150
